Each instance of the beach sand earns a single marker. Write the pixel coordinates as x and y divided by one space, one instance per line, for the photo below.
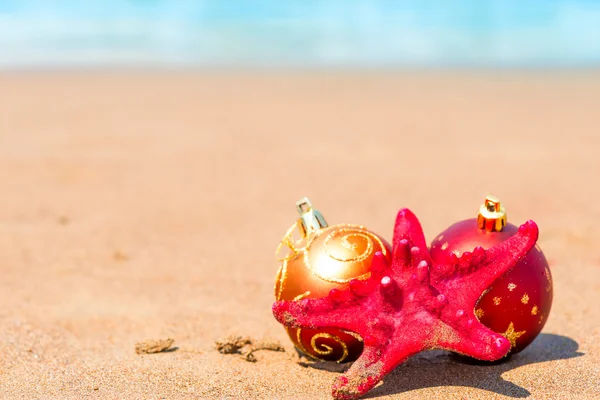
141 206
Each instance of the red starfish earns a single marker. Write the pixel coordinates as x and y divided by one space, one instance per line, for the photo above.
412 305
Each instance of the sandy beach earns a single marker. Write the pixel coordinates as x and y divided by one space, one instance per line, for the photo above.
149 205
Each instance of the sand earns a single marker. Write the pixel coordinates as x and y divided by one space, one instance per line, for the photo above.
147 206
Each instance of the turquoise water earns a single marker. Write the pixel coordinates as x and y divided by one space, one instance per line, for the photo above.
276 33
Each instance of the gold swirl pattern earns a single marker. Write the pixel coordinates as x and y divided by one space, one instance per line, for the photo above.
354 335
348 235
279 280
299 343
328 349
294 249
288 241
313 342
346 243
301 296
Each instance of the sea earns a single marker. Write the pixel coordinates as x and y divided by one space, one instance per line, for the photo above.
299 33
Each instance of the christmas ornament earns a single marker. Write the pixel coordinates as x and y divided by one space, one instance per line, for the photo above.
518 303
323 258
411 304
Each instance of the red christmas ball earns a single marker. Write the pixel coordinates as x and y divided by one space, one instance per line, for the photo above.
517 305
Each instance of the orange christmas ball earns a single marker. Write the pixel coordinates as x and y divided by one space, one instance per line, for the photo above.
518 303
323 258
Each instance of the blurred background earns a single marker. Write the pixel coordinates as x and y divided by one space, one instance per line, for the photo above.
152 151
310 33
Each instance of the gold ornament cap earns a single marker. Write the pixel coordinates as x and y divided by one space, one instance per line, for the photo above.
310 220
492 216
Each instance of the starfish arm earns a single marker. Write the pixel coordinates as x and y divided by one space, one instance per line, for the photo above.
505 255
320 313
374 363
379 266
408 228
467 336
475 272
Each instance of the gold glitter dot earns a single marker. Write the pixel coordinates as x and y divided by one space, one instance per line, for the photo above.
511 286
479 313
497 301
457 253
525 299
440 238
445 246
534 310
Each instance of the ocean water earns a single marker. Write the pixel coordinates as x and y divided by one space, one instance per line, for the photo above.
296 33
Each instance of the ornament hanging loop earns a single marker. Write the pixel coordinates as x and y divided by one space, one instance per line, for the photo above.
492 216
311 220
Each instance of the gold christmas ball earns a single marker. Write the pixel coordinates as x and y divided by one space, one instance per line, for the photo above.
319 259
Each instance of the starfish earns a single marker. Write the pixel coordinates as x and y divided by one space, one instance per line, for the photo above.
409 305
